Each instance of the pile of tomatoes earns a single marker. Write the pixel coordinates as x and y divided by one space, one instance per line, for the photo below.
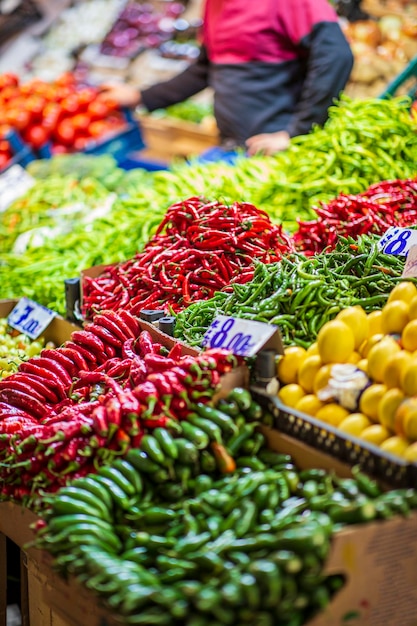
64 114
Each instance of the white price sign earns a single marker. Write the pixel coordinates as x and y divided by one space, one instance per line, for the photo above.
240 336
398 241
30 318
14 183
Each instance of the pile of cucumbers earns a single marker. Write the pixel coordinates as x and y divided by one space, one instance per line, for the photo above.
175 534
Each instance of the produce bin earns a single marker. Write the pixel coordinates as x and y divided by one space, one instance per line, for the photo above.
386 467
376 559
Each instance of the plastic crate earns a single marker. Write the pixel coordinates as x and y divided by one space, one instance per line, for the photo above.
408 74
22 153
386 467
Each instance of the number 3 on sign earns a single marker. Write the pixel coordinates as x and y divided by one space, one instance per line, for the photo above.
242 337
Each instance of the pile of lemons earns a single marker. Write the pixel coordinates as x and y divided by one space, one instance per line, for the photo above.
384 345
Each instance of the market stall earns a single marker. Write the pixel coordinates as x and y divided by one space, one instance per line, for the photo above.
208 371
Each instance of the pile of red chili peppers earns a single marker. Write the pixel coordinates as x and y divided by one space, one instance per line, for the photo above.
65 413
200 247
385 204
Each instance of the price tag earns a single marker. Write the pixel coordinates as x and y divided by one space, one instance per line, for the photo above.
242 337
14 183
398 241
410 267
30 318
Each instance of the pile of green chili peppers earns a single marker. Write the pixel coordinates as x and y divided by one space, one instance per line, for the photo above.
362 143
300 294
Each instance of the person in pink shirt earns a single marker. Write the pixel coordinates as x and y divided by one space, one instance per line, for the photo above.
275 68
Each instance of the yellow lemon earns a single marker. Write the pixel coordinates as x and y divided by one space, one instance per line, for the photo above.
394 317
410 453
405 291
363 365
354 358
395 445
395 368
369 343
406 413
370 399
357 320
410 426
309 404
374 323
409 336
335 342
308 371
313 349
332 414
409 377
376 434
291 394
354 424
322 377
387 407
289 364
412 309
378 357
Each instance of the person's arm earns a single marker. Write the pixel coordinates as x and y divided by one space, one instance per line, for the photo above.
177 89
330 63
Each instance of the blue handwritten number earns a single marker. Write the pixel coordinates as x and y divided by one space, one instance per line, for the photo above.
28 310
31 326
399 244
220 337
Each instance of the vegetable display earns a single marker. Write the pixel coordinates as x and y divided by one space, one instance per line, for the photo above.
385 204
15 348
64 113
198 248
248 546
299 294
285 186
76 406
377 354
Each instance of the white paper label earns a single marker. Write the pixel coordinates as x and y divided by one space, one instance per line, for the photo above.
398 241
30 318
240 336
14 183
410 267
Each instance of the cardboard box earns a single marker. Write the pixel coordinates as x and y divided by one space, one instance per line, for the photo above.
378 559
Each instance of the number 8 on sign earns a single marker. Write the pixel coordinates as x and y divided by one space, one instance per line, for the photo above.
399 244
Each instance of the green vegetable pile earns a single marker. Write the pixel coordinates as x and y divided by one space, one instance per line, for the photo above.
362 143
301 294
170 535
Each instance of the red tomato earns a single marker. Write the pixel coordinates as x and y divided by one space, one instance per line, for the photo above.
4 159
35 106
98 128
62 92
59 149
70 105
66 79
98 110
18 118
8 80
37 136
81 122
86 96
65 133
9 92
80 142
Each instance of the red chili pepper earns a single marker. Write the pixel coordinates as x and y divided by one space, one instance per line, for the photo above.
145 343
138 372
157 363
105 335
22 400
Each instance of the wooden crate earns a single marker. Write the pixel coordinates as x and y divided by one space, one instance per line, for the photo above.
168 139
